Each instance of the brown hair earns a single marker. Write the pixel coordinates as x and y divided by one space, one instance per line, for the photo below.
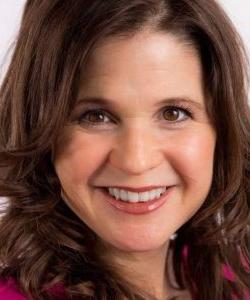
37 96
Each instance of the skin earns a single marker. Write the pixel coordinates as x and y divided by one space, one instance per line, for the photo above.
136 145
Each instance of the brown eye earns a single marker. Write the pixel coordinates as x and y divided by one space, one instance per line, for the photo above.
95 116
173 114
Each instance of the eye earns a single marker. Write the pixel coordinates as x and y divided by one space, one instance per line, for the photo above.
99 117
176 113
93 117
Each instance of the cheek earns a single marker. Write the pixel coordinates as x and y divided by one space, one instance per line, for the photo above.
193 155
78 156
200 152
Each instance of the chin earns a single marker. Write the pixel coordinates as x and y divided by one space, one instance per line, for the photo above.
137 245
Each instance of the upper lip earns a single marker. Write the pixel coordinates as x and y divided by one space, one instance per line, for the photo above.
138 189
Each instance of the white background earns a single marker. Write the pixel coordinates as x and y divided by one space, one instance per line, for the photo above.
11 10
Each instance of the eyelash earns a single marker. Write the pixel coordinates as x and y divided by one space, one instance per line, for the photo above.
180 107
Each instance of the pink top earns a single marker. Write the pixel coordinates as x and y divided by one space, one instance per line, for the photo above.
9 290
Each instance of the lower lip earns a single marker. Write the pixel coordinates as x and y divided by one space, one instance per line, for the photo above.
137 208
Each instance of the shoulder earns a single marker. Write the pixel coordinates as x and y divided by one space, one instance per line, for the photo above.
9 290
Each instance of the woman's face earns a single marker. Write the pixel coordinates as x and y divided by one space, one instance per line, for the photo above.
148 127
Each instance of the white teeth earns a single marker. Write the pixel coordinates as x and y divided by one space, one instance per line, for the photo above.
136 197
144 196
123 195
133 197
116 193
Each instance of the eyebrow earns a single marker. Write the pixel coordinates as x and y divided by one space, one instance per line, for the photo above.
109 104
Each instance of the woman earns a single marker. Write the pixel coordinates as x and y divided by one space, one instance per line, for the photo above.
125 138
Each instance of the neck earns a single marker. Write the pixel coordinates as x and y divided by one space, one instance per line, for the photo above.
145 269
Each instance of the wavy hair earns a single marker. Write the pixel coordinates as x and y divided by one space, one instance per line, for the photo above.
42 242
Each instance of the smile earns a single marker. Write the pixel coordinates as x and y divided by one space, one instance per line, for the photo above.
134 197
136 208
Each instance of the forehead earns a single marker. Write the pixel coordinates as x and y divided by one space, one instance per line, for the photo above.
147 65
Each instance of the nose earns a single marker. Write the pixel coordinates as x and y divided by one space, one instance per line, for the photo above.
136 151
